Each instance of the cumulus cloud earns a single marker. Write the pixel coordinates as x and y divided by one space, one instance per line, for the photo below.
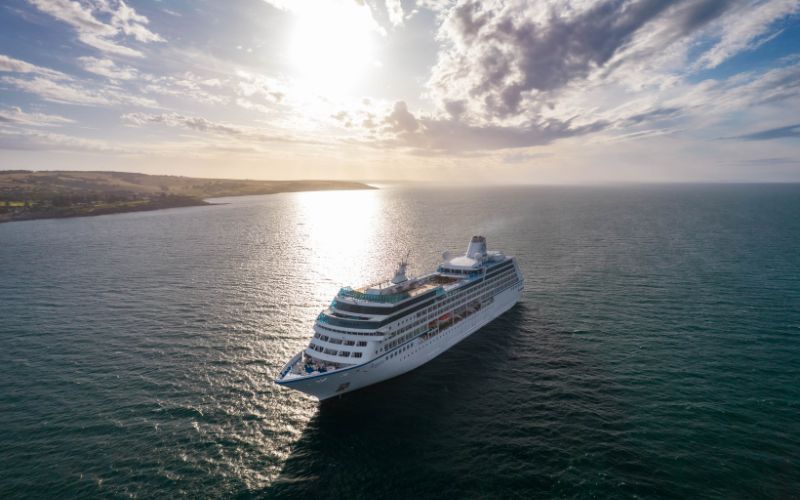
499 53
515 73
430 135
123 21
503 60
401 120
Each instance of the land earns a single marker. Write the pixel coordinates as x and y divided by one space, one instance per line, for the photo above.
26 194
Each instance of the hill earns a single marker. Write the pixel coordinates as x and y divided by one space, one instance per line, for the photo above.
42 194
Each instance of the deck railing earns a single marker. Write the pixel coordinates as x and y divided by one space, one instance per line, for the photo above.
386 299
372 297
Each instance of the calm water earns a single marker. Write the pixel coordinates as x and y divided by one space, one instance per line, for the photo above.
656 351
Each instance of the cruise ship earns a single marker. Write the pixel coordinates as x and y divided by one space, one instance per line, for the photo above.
380 331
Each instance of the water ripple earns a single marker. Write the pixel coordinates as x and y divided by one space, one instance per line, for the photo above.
654 354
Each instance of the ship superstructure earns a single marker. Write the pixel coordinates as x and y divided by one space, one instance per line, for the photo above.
376 332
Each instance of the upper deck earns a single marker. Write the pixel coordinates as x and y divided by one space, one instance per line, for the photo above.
394 294
469 265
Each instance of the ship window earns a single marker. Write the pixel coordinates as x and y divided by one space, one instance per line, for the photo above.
362 343
345 354
356 354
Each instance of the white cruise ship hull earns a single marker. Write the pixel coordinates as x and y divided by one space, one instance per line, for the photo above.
406 357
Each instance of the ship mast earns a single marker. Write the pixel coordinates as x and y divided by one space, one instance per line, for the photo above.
400 273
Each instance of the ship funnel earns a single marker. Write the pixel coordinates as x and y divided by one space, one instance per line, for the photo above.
477 248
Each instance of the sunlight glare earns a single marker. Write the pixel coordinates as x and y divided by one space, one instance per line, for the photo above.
331 45
340 229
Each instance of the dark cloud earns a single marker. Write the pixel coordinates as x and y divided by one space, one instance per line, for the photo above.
401 120
437 135
500 54
697 14
455 108
788 132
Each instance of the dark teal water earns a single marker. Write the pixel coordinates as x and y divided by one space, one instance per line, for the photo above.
656 351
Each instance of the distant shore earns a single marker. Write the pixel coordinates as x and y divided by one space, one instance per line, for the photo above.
88 210
29 195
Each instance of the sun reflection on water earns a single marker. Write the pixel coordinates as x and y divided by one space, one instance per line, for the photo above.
341 229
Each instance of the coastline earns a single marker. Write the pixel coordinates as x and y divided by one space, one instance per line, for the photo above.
53 195
91 211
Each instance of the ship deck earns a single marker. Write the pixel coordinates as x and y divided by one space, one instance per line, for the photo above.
425 284
302 365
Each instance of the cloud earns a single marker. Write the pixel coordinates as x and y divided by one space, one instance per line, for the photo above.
17 116
357 11
747 30
11 65
74 93
498 54
252 85
758 162
200 124
506 61
395 10
517 158
122 21
428 135
652 115
787 132
130 23
107 68
401 120
743 91
31 140
187 86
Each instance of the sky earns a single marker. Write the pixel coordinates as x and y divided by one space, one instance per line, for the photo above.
461 92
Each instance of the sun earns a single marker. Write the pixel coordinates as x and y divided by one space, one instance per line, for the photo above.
332 44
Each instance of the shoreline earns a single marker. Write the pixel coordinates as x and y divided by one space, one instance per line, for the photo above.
171 201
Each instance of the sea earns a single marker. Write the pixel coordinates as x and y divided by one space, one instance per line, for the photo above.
655 352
